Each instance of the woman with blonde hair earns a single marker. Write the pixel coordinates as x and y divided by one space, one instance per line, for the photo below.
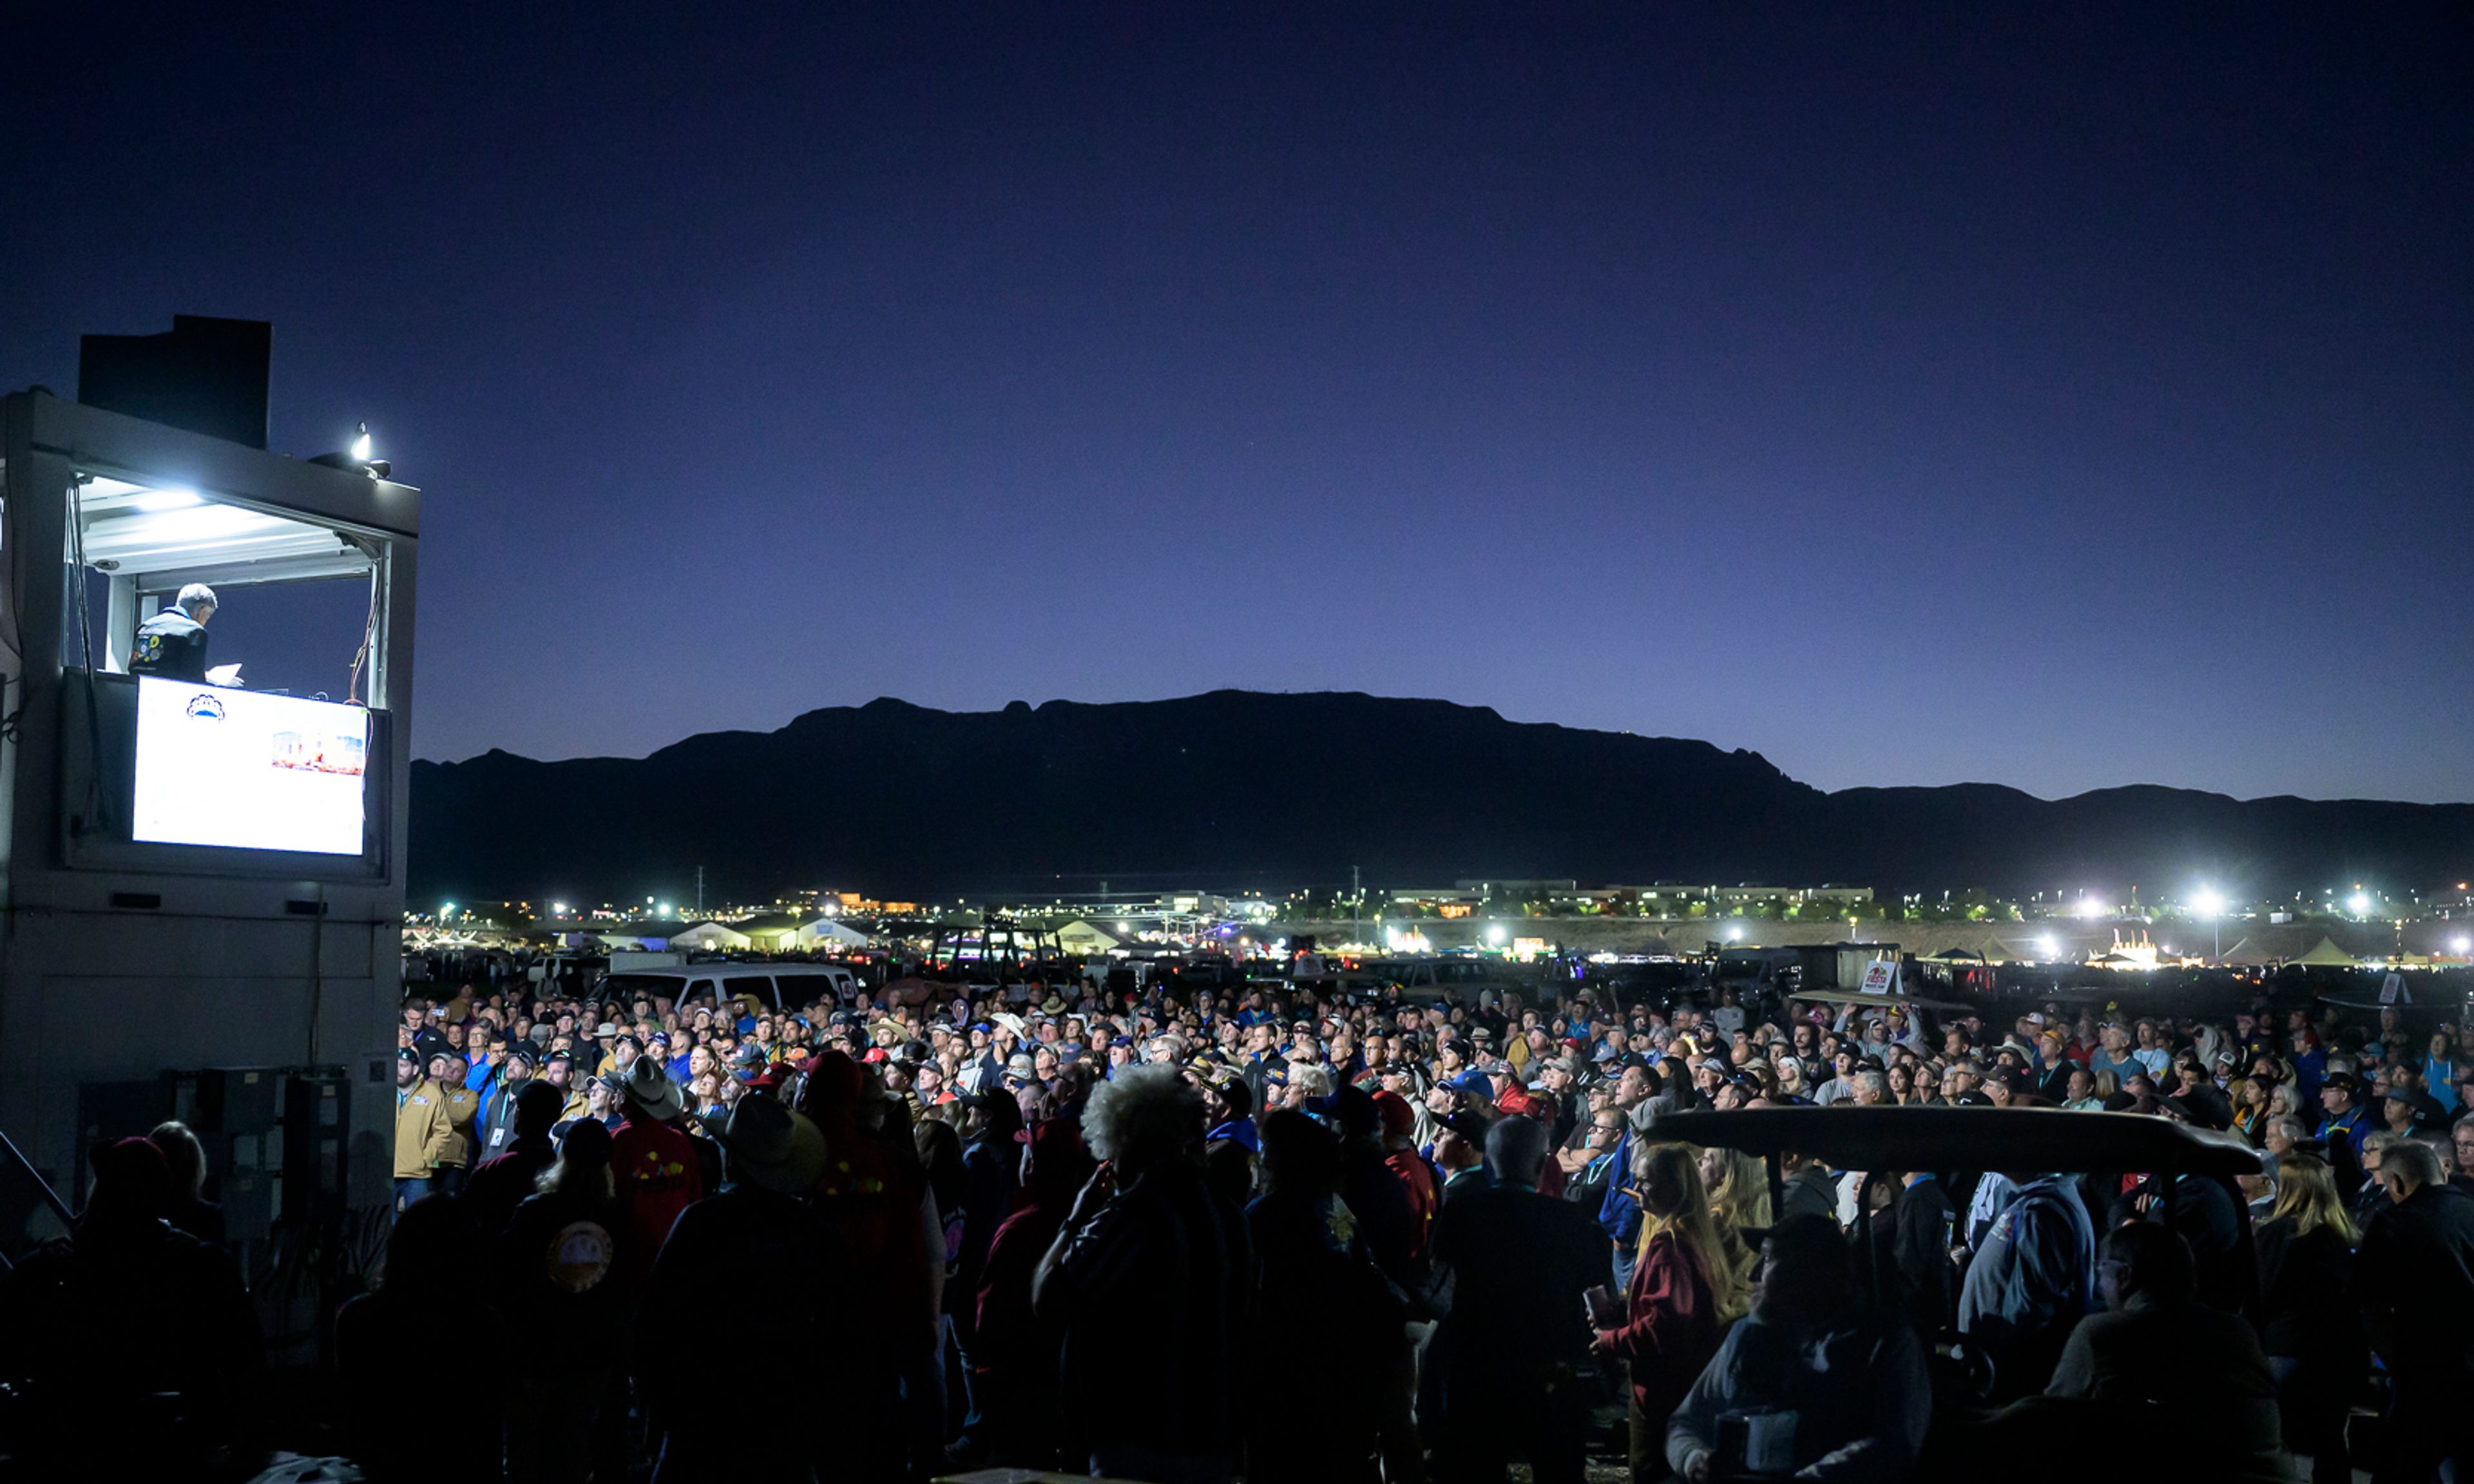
190 1211
1669 1327
2311 1334
1791 1087
1738 1184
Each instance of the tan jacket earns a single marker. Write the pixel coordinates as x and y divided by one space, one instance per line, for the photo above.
423 1130
463 1106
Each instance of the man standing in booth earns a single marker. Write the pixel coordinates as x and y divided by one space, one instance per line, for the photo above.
173 643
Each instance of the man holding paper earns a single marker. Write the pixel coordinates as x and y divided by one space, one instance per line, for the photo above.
173 643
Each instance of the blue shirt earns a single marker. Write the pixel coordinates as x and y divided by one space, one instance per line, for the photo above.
1617 1215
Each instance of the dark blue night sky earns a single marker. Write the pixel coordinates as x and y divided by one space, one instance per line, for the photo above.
2054 395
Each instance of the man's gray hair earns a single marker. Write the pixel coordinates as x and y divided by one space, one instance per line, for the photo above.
1515 1149
2414 1159
1142 1115
1869 1078
194 596
1314 1080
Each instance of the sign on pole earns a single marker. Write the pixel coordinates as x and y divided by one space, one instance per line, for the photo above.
1881 976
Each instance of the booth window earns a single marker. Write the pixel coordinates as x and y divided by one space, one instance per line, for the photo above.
300 603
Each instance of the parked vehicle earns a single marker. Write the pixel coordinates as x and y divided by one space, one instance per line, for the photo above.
765 986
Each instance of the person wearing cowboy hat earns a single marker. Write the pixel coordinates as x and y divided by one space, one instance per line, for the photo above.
654 1163
772 1156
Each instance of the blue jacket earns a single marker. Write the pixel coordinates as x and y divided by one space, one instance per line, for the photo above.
1618 1215
482 1080
2032 1279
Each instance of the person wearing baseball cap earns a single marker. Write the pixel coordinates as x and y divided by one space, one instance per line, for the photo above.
424 1131
1460 1153
495 1127
2347 1126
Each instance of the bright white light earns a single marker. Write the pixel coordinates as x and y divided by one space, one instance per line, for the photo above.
2208 903
361 446
558 909
446 911
2462 945
2088 907
2359 904
1494 934
661 911
1734 934
2048 947
154 501
1125 928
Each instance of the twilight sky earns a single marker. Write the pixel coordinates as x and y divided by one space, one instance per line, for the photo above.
1913 396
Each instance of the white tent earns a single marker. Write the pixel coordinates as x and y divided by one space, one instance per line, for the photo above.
1084 936
826 933
709 937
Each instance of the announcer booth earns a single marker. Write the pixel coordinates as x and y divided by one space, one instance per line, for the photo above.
202 893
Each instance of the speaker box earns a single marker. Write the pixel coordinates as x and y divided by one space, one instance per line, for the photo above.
236 1100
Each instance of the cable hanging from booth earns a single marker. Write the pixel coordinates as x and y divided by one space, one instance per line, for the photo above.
370 624
94 815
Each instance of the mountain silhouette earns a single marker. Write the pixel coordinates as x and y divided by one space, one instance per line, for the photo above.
1242 789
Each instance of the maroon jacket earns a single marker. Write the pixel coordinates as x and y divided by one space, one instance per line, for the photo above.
1671 1327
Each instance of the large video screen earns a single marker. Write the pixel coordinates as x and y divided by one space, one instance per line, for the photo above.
247 772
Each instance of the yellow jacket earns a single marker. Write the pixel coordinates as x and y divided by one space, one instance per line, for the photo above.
423 1130
463 1106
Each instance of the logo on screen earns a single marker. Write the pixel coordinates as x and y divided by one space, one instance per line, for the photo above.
207 707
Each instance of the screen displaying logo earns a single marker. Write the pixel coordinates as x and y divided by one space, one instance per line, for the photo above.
245 771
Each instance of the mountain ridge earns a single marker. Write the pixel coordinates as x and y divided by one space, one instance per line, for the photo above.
1289 788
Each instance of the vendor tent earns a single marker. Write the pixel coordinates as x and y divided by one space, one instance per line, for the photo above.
2327 955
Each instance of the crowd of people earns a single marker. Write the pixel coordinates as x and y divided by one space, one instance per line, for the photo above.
1271 1233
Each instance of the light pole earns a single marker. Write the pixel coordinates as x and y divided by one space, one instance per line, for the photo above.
2212 906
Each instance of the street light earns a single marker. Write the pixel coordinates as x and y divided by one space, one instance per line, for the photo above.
2209 903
